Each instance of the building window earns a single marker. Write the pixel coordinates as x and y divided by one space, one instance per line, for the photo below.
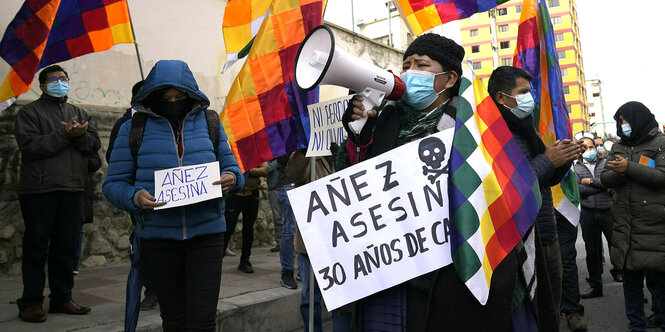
558 37
503 28
564 72
475 49
502 11
566 90
570 110
553 3
504 44
473 33
477 66
518 9
506 62
561 54
556 20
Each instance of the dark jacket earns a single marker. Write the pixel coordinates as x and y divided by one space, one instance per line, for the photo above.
638 232
594 195
51 160
159 151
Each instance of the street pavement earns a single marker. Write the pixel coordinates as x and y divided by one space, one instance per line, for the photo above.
249 302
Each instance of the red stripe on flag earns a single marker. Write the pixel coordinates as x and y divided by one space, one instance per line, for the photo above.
527 35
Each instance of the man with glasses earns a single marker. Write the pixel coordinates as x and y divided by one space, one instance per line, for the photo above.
55 139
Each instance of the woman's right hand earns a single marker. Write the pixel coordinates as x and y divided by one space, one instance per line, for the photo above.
358 109
147 201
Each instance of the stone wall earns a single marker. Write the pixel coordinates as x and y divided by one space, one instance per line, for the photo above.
106 240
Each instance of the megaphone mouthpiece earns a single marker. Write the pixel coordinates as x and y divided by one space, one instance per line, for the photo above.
319 61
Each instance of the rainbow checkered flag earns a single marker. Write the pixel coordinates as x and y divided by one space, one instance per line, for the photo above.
536 53
242 21
266 114
45 32
493 191
422 15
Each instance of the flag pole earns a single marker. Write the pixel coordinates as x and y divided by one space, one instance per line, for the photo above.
312 177
136 44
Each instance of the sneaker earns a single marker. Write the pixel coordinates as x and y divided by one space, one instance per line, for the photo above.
228 252
287 279
654 321
76 272
149 303
245 266
275 249
576 322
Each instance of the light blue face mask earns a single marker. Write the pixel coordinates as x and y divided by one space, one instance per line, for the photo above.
57 89
625 128
525 105
601 149
589 155
420 91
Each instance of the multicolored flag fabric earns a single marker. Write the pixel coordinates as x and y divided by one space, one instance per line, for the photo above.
266 115
45 32
242 20
536 53
422 15
494 193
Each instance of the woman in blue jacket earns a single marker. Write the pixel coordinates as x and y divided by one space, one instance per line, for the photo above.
182 246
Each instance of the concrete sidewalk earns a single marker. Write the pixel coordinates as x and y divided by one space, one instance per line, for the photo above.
248 302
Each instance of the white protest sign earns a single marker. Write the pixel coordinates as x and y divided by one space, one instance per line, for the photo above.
325 123
187 185
378 223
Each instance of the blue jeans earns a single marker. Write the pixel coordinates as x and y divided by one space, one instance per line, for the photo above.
303 271
289 229
633 294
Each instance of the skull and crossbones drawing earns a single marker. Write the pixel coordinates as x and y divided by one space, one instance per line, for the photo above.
432 151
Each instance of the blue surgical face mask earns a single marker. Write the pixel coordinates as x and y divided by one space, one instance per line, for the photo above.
420 91
601 149
589 155
625 128
57 89
525 105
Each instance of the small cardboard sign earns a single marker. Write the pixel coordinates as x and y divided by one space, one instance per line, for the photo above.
186 185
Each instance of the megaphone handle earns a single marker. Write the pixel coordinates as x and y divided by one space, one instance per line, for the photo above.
372 98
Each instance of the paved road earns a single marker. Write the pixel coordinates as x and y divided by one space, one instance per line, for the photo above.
603 313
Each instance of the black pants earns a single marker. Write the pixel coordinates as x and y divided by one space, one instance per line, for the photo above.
249 207
595 222
52 226
570 286
186 276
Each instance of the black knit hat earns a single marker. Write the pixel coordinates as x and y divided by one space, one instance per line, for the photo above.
441 49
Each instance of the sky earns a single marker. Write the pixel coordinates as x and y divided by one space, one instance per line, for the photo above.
622 45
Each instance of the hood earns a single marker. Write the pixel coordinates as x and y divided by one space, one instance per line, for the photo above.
174 73
641 120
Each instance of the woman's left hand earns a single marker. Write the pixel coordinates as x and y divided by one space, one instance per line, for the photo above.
227 181
619 165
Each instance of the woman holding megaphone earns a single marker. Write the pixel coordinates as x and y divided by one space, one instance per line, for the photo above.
439 300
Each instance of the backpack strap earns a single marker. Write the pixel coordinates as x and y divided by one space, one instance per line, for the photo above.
136 134
213 128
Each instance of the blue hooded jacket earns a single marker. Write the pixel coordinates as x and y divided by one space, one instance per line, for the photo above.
125 177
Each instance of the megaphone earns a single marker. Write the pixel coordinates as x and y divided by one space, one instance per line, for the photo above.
320 61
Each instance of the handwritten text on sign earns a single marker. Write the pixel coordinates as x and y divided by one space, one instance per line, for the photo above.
187 185
378 223
325 123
